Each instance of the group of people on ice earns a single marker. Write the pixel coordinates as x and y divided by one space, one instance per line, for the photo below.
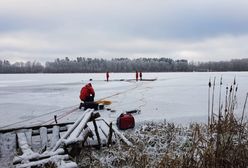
87 93
138 75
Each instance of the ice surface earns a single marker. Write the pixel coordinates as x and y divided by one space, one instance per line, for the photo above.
27 99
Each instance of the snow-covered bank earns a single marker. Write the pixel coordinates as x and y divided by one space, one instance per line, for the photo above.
35 98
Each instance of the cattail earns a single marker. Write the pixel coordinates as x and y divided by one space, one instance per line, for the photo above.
212 112
220 98
226 100
229 99
235 97
209 89
234 91
209 83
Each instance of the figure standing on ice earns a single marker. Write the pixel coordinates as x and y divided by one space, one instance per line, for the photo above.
87 93
137 76
140 75
107 76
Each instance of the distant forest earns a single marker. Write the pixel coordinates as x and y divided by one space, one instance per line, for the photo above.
89 65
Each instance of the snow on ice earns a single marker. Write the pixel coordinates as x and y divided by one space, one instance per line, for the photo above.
33 99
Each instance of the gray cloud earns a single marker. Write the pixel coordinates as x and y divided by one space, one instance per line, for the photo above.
193 29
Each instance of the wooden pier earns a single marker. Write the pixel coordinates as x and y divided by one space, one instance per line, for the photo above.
55 143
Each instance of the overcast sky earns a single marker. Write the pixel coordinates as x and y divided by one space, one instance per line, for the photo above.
197 30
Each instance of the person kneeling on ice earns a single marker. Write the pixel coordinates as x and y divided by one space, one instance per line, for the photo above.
87 94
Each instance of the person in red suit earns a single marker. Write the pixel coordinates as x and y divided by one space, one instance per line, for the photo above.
137 76
107 76
87 93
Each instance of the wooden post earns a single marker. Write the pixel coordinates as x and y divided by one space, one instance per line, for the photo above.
110 135
43 138
55 136
28 134
55 119
71 129
122 137
97 134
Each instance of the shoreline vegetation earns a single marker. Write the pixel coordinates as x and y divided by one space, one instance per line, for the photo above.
96 65
222 142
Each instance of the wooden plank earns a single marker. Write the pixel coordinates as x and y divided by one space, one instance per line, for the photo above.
58 158
23 144
43 139
71 129
97 134
36 156
68 164
76 132
28 134
103 133
152 79
50 130
25 148
119 134
82 138
122 137
34 127
55 136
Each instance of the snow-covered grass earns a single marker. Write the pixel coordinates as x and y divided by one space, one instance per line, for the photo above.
169 145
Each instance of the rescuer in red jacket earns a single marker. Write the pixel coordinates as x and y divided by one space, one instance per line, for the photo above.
107 76
87 93
140 75
137 76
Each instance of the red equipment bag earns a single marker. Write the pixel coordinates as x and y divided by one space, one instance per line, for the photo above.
125 121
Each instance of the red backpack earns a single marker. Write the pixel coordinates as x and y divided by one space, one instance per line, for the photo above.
125 121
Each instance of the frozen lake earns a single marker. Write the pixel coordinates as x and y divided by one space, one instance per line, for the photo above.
35 98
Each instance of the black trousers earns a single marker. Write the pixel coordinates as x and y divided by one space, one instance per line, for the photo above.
89 99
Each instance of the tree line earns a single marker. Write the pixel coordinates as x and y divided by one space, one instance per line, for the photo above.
89 65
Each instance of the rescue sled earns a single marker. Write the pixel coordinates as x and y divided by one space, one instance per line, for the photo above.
97 105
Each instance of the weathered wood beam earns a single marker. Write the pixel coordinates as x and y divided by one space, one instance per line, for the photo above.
85 134
97 134
71 129
43 139
109 142
34 127
36 156
57 158
23 144
88 117
55 136
121 136
50 130
28 134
